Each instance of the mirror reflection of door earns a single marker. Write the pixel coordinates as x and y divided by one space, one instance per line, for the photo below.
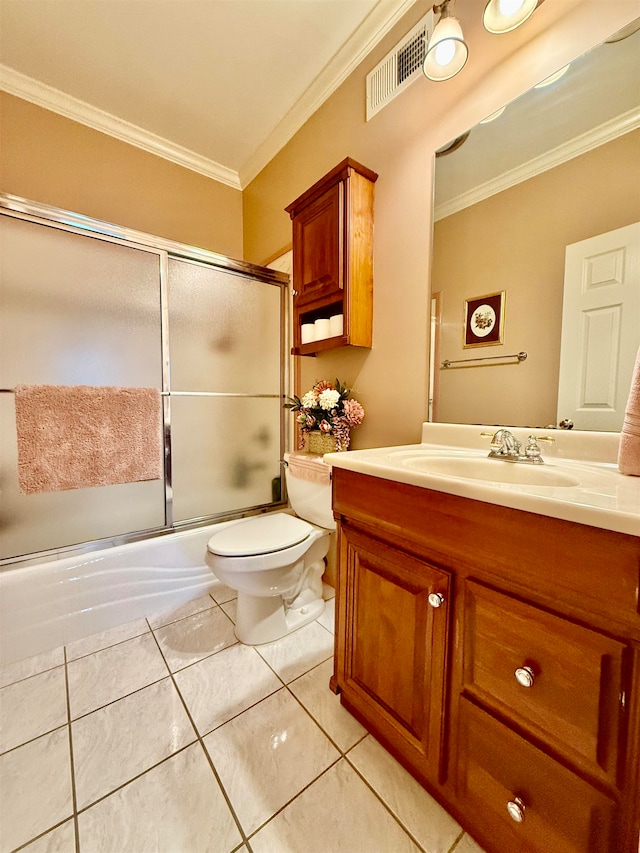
600 322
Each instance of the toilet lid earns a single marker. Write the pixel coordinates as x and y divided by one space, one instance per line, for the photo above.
260 534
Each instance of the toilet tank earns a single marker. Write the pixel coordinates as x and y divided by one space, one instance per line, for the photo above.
309 488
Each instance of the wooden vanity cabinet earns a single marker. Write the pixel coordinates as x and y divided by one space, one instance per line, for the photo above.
514 700
333 256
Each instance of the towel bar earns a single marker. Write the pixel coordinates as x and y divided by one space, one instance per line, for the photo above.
521 356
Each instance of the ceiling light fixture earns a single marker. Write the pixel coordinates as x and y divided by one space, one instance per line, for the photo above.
493 116
447 51
552 77
503 16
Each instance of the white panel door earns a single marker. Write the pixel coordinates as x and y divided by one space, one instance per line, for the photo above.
600 328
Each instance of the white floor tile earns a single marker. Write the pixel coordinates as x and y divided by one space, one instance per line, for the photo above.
35 793
60 840
196 605
195 637
337 812
268 755
127 737
175 808
32 707
221 593
97 642
312 690
108 675
225 684
231 609
298 652
423 817
468 845
13 672
328 617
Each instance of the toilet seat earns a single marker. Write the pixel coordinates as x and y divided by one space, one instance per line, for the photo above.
260 534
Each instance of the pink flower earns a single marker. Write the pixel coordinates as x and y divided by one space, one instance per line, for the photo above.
353 412
325 426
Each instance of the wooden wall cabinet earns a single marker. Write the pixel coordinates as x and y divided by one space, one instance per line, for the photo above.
496 654
333 257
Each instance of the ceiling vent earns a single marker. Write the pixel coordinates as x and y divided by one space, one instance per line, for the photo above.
399 68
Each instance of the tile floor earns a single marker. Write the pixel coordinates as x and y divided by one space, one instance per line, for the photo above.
168 735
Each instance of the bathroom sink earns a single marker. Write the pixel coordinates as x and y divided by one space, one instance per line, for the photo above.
491 470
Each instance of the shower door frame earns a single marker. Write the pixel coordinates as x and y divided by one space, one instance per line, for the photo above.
75 223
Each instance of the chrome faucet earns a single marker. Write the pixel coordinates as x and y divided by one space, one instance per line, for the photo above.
504 445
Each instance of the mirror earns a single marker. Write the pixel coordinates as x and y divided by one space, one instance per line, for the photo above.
558 166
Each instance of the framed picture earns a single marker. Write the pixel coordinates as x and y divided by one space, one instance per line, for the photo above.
484 320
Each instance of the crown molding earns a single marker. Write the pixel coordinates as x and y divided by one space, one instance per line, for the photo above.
372 30
28 89
606 132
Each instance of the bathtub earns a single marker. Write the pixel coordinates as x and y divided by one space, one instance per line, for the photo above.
46 605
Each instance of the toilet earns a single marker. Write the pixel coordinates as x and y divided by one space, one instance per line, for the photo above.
276 561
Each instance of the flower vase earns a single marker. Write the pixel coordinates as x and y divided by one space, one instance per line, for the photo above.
320 442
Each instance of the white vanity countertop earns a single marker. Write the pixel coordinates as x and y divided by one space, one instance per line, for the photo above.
602 498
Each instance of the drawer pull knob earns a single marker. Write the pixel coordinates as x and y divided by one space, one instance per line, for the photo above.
525 676
516 809
436 599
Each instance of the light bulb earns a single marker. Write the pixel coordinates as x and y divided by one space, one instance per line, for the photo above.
509 7
503 16
444 52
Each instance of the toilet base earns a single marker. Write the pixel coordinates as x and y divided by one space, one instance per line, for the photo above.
265 619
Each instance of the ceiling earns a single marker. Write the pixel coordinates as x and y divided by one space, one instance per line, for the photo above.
216 85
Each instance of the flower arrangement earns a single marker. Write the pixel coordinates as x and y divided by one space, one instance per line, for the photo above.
328 408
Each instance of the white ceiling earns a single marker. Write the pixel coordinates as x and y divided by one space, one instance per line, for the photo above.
217 85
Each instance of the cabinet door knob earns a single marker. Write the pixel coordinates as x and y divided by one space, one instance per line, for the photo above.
436 599
516 809
525 676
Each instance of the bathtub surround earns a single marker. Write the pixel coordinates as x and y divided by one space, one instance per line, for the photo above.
73 437
248 742
629 454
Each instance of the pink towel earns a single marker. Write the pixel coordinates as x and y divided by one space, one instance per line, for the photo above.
75 436
629 453
310 468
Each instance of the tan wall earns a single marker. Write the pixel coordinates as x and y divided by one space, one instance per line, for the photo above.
515 241
50 159
391 379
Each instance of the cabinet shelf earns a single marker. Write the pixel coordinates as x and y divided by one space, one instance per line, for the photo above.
320 346
333 257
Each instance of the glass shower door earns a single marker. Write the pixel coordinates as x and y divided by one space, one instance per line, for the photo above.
225 340
74 310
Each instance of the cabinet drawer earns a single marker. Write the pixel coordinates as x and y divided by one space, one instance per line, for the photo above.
521 798
557 679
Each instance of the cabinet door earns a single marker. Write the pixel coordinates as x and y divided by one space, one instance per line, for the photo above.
318 239
393 646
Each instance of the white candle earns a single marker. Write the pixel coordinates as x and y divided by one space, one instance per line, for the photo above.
322 329
307 333
336 325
